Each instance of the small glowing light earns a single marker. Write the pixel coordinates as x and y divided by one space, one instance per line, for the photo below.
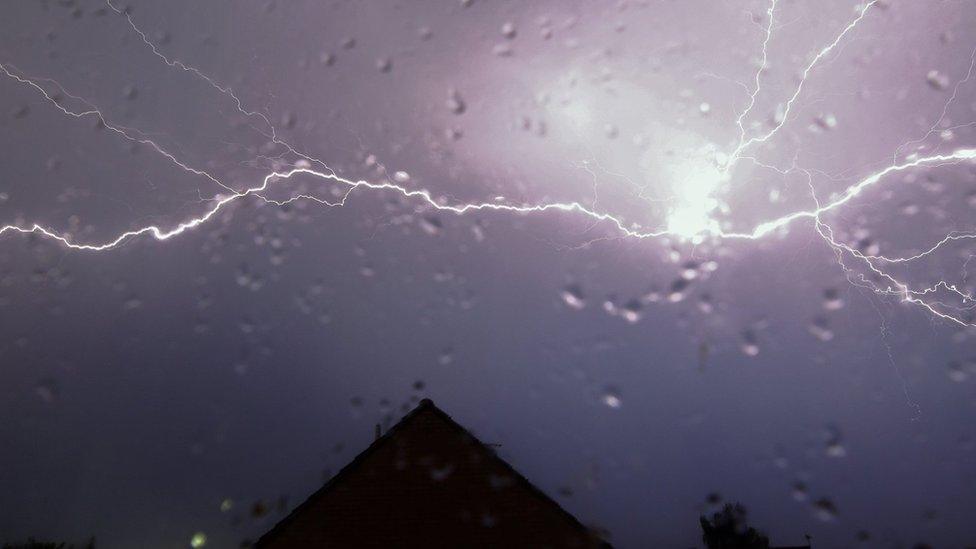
198 540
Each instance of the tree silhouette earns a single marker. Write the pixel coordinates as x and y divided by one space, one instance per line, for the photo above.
727 529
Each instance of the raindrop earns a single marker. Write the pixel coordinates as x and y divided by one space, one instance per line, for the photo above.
937 80
799 491
502 50
327 58
47 390
820 329
438 474
677 292
246 325
868 247
432 225
826 121
834 447
750 344
289 120
825 510
652 295
453 134
446 357
199 539
384 64
631 311
832 300
488 520
956 372
259 509
508 30
573 296
705 304
455 103
611 397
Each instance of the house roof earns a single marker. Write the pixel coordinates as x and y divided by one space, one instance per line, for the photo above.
428 481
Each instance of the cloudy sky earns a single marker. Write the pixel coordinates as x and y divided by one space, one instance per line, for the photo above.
665 253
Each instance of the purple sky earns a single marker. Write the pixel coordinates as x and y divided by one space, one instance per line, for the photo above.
629 374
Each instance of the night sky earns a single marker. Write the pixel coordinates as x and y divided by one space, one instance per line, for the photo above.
665 253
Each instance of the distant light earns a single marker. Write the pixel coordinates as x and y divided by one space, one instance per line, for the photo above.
198 540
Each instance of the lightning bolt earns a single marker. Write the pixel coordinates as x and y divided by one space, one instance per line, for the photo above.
762 66
882 282
743 143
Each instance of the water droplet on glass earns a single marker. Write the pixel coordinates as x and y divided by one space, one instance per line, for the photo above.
678 288
689 270
502 50
833 443
832 300
799 491
441 473
446 357
573 296
956 372
826 121
455 103
327 58
937 80
47 390
750 344
820 329
198 540
508 30
611 397
825 510
631 311
431 225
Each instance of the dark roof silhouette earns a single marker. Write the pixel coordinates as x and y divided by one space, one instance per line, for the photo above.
428 483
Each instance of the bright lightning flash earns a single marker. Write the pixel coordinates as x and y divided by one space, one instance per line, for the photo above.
695 183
